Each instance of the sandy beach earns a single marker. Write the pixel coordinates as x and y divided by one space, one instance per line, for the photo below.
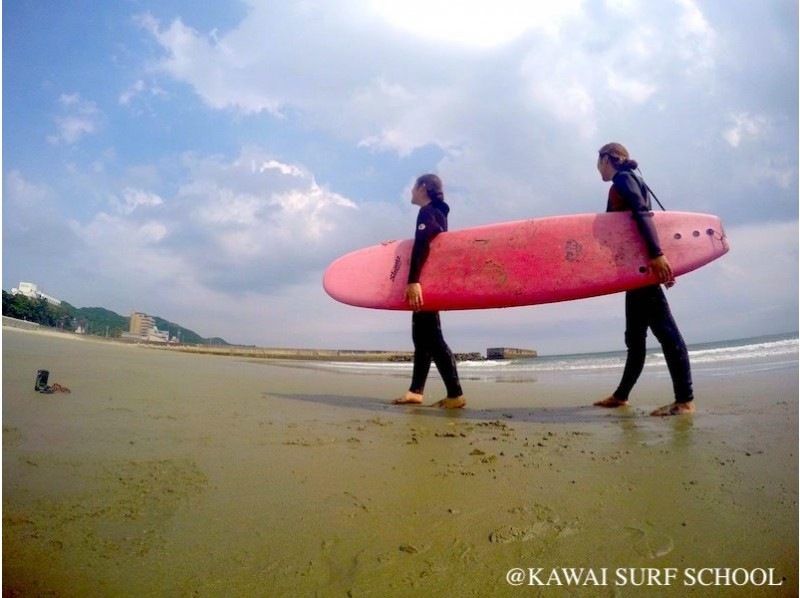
165 473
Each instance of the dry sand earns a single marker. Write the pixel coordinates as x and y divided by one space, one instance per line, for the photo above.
192 475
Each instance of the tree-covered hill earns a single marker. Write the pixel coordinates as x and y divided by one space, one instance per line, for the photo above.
97 321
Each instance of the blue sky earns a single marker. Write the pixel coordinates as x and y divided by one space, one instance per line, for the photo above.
205 163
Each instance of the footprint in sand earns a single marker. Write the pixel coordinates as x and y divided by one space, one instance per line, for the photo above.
649 543
546 526
11 437
519 533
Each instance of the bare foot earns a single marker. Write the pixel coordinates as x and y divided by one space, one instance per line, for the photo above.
410 398
611 402
674 409
451 403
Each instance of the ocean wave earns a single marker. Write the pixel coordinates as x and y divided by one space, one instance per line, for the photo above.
708 356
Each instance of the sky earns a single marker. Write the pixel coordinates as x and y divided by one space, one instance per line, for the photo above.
204 162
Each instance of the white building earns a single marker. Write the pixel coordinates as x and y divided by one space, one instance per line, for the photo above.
154 335
29 289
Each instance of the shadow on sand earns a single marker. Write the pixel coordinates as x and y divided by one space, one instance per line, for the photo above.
557 415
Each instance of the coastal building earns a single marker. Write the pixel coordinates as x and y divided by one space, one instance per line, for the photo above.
141 324
31 290
509 353
143 328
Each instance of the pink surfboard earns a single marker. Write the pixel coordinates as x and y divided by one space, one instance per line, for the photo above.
527 262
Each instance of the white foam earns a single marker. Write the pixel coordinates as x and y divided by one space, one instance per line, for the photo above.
756 356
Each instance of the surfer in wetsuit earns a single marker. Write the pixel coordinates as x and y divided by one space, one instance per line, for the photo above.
426 328
646 307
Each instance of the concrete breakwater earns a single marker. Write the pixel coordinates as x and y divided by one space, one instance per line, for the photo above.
310 354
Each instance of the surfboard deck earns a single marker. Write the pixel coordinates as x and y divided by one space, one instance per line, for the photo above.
526 262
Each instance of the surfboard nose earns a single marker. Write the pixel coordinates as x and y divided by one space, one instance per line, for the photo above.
723 238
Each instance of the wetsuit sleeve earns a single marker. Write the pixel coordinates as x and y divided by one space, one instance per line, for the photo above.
427 229
631 192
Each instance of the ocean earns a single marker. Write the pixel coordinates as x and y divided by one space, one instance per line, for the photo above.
723 358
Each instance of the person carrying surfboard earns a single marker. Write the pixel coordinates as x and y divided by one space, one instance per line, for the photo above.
646 307
426 327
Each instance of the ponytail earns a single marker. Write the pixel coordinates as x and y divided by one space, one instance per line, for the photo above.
433 187
619 157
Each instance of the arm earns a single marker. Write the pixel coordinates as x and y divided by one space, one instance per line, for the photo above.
629 189
427 229
631 192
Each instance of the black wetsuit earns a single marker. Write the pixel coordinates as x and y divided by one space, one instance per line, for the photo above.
647 307
426 328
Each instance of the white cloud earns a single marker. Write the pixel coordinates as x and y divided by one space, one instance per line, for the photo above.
236 233
476 22
223 77
78 118
36 237
286 169
778 172
132 199
130 93
386 90
635 90
744 127
140 89
692 20
21 192
563 95
252 223
750 291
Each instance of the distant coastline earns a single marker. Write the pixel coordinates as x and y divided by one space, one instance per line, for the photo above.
238 350
273 353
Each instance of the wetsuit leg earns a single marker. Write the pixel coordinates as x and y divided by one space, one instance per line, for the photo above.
445 361
672 344
429 344
636 322
420 334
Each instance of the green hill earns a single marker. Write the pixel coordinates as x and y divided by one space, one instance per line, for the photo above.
96 321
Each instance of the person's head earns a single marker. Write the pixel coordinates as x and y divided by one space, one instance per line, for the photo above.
427 188
612 158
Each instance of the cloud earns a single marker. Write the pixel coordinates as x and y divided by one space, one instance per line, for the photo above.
564 77
221 73
256 222
635 90
136 198
251 224
130 93
233 244
36 238
78 118
750 291
22 193
138 89
475 23
745 127
286 169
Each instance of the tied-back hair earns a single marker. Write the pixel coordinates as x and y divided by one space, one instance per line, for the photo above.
433 187
618 156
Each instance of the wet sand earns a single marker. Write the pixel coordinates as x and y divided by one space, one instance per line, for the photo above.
194 475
